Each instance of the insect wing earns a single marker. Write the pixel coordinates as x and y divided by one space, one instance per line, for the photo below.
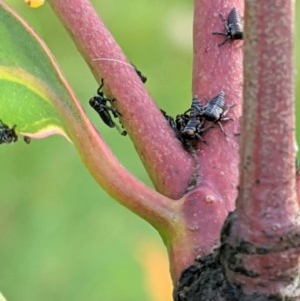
103 112
214 108
235 25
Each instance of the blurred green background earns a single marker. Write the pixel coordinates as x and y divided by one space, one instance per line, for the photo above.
62 237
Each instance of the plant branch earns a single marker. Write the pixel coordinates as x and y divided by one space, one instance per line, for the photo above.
205 208
267 207
168 165
105 168
215 69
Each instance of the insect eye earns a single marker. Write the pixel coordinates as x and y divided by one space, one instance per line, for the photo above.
34 3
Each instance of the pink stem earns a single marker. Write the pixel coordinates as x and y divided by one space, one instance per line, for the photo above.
215 69
298 186
267 207
168 165
105 168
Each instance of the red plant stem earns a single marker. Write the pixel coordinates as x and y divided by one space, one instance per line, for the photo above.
298 186
267 207
168 165
203 214
157 209
215 69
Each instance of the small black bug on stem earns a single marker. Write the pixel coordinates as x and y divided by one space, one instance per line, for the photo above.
214 110
176 124
233 25
142 77
99 104
195 125
181 121
194 129
103 105
7 134
169 119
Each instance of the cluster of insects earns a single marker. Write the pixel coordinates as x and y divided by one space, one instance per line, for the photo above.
8 134
190 125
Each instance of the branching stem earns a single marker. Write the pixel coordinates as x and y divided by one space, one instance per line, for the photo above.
169 166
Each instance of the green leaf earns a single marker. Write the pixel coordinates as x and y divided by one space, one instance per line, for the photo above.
29 83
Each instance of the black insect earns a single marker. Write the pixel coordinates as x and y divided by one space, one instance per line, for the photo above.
181 121
233 25
193 129
215 110
103 106
173 124
139 73
100 104
195 125
169 119
196 107
7 134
